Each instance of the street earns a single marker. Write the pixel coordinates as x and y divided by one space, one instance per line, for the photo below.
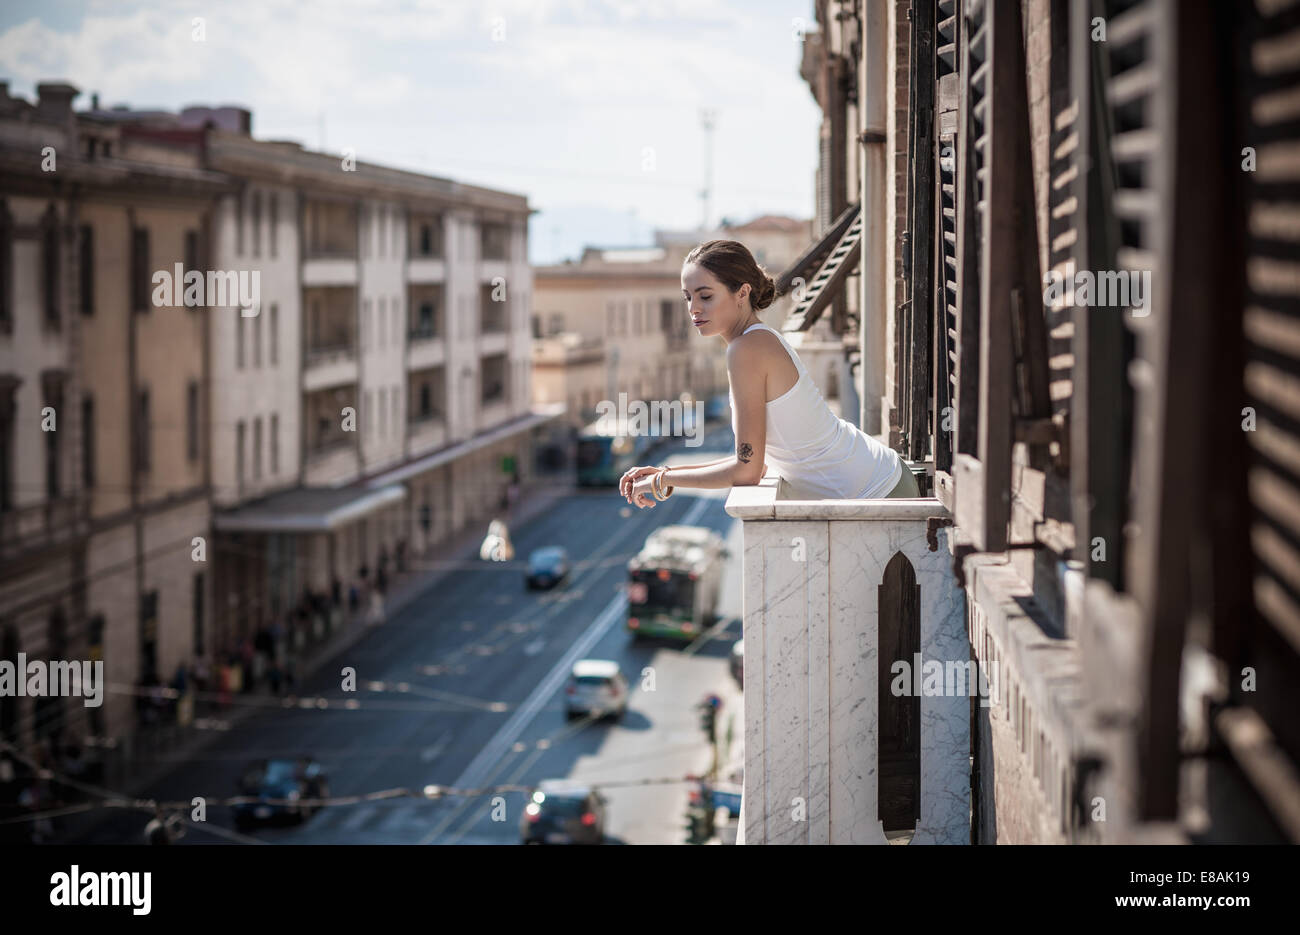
464 688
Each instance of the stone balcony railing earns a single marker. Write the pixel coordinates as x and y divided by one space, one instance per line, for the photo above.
823 580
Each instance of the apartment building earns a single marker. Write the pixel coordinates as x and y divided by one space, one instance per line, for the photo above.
179 473
1108 529
377 398
104 516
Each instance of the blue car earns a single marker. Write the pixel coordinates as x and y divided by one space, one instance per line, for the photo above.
547 567
286 779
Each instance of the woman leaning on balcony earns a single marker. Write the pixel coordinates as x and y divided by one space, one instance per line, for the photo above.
777 412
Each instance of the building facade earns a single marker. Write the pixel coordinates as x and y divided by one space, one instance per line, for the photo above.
105 469
198 485
1084 339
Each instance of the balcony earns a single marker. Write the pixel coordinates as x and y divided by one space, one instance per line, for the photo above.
840 597
331 441
38 526
330 340
331 230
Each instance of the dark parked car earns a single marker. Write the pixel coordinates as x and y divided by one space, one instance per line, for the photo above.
547 567
563 811
291 779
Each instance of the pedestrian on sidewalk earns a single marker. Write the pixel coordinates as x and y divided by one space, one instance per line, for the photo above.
375 612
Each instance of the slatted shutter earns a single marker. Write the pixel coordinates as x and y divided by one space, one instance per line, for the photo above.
945 319
1260 728
1011 385
915 360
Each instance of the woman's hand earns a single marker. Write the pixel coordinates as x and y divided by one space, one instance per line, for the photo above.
643 492
629 479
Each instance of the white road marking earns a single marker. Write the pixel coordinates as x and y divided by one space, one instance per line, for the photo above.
430 753
478 768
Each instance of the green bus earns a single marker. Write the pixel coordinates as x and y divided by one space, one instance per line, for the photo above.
606 449
674 582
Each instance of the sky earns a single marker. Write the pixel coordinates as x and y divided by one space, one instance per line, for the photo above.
590 108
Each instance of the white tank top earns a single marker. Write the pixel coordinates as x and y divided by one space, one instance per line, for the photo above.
820 455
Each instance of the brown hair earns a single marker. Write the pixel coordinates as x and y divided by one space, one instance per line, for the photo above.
734 265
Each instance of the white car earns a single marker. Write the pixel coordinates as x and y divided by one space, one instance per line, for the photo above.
596 687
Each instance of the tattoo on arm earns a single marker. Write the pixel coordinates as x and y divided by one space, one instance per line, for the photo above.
745 452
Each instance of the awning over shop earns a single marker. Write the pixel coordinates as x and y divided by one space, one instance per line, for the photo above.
823 267
308 509
540 414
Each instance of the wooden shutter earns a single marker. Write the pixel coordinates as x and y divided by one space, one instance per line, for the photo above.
1006 300
914 362
1259 728
945 318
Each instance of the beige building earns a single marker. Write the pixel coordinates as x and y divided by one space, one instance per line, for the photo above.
101 517
378 398
360 390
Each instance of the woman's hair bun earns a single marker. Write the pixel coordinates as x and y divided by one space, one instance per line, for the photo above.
765 294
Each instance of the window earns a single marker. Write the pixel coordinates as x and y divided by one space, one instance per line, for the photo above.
192 421
275 444
426 240
6 269
52 453
88 441
142 431
200 604
140 269
86 268
50 266
7 387
426 401
149 636
397 322
257 448
274 327
256 324
239 342
274 233
257 223
192 261
239 455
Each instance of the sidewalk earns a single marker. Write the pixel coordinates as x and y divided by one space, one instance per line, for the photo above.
534 498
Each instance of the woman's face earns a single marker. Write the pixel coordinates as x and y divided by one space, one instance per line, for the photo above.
713 309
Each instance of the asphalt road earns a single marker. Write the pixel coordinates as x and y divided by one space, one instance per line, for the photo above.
464 688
